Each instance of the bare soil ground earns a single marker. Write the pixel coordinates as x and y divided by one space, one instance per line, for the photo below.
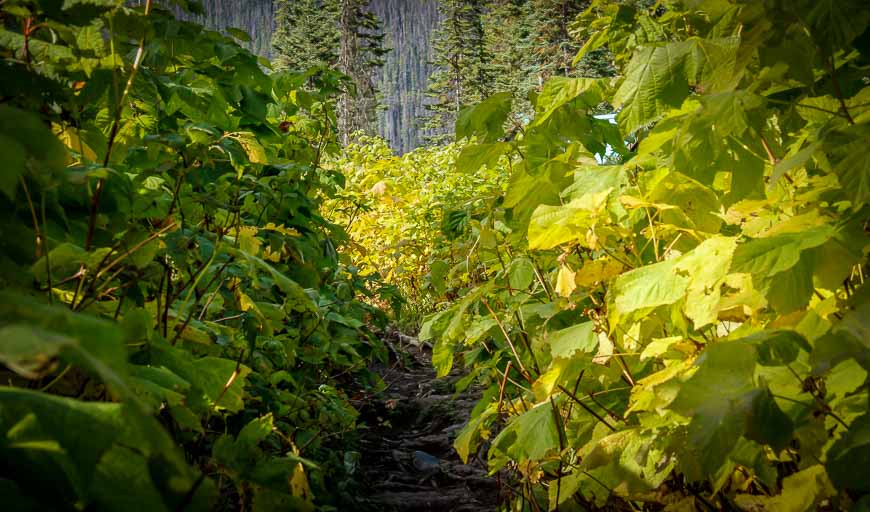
408 461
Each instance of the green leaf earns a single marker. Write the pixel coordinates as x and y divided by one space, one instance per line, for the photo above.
718 398
706 266
850 452
697 205
654 83
765 257
30 145
529 436
521 273
854 172
35 333
658 77
241 35
559 91
468 439
475 156
836 23
777 348
767 424
565 342
552 226
696 275
845 378
801 492
216 381
647 287
486 119
38 427
781 267
15 165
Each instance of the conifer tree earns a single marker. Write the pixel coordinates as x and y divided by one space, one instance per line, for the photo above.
551 42
306 34
463 64
361 54
341 34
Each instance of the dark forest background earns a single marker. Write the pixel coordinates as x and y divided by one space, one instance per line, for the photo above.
415 63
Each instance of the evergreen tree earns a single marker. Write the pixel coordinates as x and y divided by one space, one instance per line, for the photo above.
306 34
341 34
464 73
509 32
361 54
551 42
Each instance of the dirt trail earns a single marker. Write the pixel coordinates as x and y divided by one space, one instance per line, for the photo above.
408 461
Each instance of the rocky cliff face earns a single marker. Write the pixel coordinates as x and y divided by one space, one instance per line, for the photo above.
252 16
408 25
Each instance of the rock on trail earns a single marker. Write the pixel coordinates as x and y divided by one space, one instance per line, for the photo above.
408 462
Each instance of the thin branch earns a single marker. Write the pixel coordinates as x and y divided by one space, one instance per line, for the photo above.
510 343
588 409
838 91
113 134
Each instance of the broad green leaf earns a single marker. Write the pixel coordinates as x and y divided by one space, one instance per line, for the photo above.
35 333
850 452
766 257
718 398
473 432
845 378
659 346
442 356
777 348
801 492
46 430
16 162
565 342
475 156
835 23
654 83
214 381
767 424
707 266
521 273
696 275
28 145
854 172
552 226
781 267
529 436
697 205
558 91
486 119
647 287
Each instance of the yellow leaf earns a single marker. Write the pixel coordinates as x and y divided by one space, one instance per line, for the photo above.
245 302
299 484
631 203
253 148
281 229
71 139
565 284
605 349
248 240
597 271
379 188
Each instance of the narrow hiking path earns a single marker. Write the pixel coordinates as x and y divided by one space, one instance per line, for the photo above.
408 462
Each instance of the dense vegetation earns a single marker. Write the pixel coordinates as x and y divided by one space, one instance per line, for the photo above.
663 310
175 320
668 310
